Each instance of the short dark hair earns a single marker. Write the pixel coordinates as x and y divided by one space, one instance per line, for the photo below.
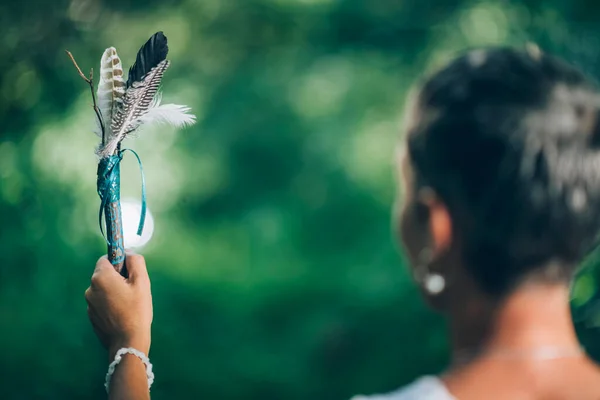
510 141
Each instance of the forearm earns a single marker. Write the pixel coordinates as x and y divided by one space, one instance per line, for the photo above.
129 381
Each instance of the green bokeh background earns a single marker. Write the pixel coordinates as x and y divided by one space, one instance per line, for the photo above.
275 275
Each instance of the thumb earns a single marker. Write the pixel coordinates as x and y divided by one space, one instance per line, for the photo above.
136 267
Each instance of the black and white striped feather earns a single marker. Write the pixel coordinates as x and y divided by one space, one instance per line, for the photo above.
138 99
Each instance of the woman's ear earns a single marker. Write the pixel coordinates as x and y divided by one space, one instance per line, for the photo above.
440 223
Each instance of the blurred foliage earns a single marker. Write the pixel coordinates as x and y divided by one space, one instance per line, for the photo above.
274 272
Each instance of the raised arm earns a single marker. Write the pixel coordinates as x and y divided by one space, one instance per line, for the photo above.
120 311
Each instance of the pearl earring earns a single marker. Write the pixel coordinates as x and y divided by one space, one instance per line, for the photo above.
433 283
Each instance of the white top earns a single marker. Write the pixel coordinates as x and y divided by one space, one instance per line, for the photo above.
424 388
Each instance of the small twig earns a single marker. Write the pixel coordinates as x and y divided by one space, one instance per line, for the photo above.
90 81
77 66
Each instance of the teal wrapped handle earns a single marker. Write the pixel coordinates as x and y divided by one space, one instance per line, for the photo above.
109 190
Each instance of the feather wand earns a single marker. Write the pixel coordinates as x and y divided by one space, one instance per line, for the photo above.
122 109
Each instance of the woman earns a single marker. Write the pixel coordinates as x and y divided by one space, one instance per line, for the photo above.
501 182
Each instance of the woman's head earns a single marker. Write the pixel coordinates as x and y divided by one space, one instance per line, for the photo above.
502 167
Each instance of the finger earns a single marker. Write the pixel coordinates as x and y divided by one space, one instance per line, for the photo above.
103 337
103 264
91 314
88 295
91 306
136 266
104 273
94 318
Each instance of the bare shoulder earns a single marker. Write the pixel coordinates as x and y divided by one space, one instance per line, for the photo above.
484 380
560 380
582 381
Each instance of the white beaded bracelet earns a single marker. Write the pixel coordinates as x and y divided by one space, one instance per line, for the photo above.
119 357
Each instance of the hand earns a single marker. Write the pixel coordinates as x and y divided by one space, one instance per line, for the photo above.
121 309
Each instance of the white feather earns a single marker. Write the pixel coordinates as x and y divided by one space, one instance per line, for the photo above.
111 88
169 114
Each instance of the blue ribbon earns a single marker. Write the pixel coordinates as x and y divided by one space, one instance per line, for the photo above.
108 185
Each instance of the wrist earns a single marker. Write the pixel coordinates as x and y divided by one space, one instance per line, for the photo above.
141 358
139 343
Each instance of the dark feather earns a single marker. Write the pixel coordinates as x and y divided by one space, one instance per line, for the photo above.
150 55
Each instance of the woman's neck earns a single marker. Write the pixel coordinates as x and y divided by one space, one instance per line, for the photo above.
534 316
